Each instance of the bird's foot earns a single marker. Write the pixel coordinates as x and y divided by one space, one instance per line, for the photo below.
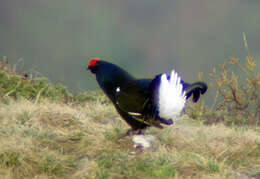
166 122
130 132
138 132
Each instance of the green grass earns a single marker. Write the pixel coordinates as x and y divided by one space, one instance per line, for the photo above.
16 85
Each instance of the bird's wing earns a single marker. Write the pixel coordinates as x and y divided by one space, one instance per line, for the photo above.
133 101
129 105
131 98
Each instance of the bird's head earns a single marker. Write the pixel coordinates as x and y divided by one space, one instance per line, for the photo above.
93 64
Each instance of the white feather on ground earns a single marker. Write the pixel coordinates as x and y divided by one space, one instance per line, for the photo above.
171 96
143 141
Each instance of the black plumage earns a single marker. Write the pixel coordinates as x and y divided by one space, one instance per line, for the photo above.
136 100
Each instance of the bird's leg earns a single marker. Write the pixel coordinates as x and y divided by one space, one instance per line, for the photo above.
139 132
128 133
164 121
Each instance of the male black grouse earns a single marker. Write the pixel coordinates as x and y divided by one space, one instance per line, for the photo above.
145 102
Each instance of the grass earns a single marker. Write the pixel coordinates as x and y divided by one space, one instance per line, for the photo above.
18 85
57 140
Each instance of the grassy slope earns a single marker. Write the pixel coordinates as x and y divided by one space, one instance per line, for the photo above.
56 140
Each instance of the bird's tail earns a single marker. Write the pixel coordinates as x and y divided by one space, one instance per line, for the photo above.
168 96
196 90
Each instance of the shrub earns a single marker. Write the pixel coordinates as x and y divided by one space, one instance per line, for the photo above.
237 98
16 85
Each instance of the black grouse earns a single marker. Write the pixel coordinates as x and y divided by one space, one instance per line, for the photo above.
145 102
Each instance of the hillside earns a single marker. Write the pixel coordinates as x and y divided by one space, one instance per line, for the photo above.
46 131
55 140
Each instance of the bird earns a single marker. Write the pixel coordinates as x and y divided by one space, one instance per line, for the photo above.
145 102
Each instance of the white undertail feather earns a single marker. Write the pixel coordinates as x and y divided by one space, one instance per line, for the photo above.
171 96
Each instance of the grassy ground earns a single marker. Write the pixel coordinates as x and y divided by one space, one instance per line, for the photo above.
46 131
57 140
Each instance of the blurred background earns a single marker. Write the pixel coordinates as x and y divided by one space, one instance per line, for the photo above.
58 37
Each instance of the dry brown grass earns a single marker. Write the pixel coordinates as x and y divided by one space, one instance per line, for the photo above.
52 140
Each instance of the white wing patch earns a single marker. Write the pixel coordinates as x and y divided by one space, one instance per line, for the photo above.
171 96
